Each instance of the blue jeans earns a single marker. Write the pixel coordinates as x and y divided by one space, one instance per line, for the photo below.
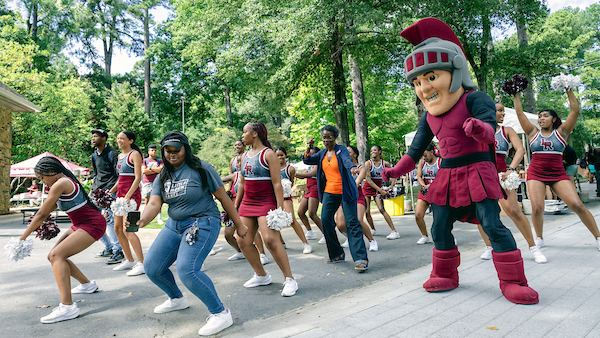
331 202
109 239
170 245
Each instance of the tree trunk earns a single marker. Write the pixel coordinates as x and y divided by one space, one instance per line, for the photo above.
340 104
488 46
108 44
34 21
147 89
227 100
529 104
360 113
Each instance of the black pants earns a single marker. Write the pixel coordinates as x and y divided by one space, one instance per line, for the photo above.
488 214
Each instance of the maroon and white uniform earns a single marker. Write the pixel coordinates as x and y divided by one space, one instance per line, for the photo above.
429 172
546 158
126 178
82 215
367 189
312 190
501 143
259 196
361 194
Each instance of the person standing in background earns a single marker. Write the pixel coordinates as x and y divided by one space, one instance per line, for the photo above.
151 166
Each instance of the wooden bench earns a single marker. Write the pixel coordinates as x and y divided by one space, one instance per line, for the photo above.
58 218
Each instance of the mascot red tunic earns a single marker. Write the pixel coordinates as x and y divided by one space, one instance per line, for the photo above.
466 187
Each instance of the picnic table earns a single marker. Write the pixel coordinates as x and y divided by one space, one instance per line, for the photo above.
58 218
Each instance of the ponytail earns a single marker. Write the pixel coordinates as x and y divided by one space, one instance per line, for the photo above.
130 135
261 130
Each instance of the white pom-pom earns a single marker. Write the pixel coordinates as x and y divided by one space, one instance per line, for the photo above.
563 81
287 187
278 219
511 182
120 208
16 249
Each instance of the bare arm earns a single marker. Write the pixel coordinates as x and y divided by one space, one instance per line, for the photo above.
137 170
311 173
228 206
150 211
527 126
292 174
420 173
228 178
49 205
240 192
361 176
275 171
567 127
516 143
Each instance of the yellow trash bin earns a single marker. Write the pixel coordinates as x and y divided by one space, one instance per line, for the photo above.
394 206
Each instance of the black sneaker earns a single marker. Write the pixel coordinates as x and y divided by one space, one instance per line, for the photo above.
105 253
118 257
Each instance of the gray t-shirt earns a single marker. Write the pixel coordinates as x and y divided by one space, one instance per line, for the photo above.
186 196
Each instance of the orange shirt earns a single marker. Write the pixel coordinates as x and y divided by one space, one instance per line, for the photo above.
332 175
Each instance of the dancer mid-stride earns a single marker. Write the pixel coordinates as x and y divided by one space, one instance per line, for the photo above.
466 186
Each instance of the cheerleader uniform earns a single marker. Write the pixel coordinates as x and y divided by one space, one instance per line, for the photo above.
501 144
367 189
429 172
285 174
312 190
80 212
235 170
361 195
259 196
546 158
126 178
233 164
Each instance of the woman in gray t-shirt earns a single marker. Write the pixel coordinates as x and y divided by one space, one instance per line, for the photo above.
187 184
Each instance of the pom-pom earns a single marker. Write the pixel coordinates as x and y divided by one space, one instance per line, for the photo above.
47 230
225 219
287 187
120 207
278 219
562 82
102 199
511 182
516 85
16 249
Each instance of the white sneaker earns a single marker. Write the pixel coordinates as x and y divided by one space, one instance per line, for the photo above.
487 254
212 252
125 265
346 244
284 245
311 235
393 235
289 287
373 246
423 240
537 255
373 232
322 240
306 248
202 267
539 242
216 323
172 304
236 256
137 270
60 313
598 242
160 221
258 280
89 287
264 260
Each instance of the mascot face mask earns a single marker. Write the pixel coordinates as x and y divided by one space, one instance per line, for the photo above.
433 89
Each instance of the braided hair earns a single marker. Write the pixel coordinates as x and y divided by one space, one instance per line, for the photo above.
261 130
51 165
131 136
168 171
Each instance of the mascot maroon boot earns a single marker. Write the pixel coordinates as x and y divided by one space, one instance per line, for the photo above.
444 275
513 283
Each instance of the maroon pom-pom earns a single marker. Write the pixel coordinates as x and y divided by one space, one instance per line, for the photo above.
102 199
47 230
516 85
225 218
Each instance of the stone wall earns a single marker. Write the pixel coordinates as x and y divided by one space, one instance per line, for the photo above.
5 152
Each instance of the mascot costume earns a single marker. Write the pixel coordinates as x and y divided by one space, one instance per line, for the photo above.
466 187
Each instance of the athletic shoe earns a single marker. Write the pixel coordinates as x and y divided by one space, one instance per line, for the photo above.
289 287
284 245
236 256
105 253
537 255
487 254
373 232
598 242
89 287
137 270
393 235
212 252
346 244
125 265
216 323
258 280
423 240
118 257
373 246
172 304
306 248
322 240
311 235
202 267
264 260
539 242
160 221
60 313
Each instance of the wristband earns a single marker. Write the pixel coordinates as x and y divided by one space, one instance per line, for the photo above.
511 168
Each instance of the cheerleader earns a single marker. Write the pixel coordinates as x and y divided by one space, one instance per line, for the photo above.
505 136
426 171
129 166
546 168
361 204
289 172
260 191
310 200
88 226
373 186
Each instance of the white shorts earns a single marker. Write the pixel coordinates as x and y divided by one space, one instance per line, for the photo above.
146 189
